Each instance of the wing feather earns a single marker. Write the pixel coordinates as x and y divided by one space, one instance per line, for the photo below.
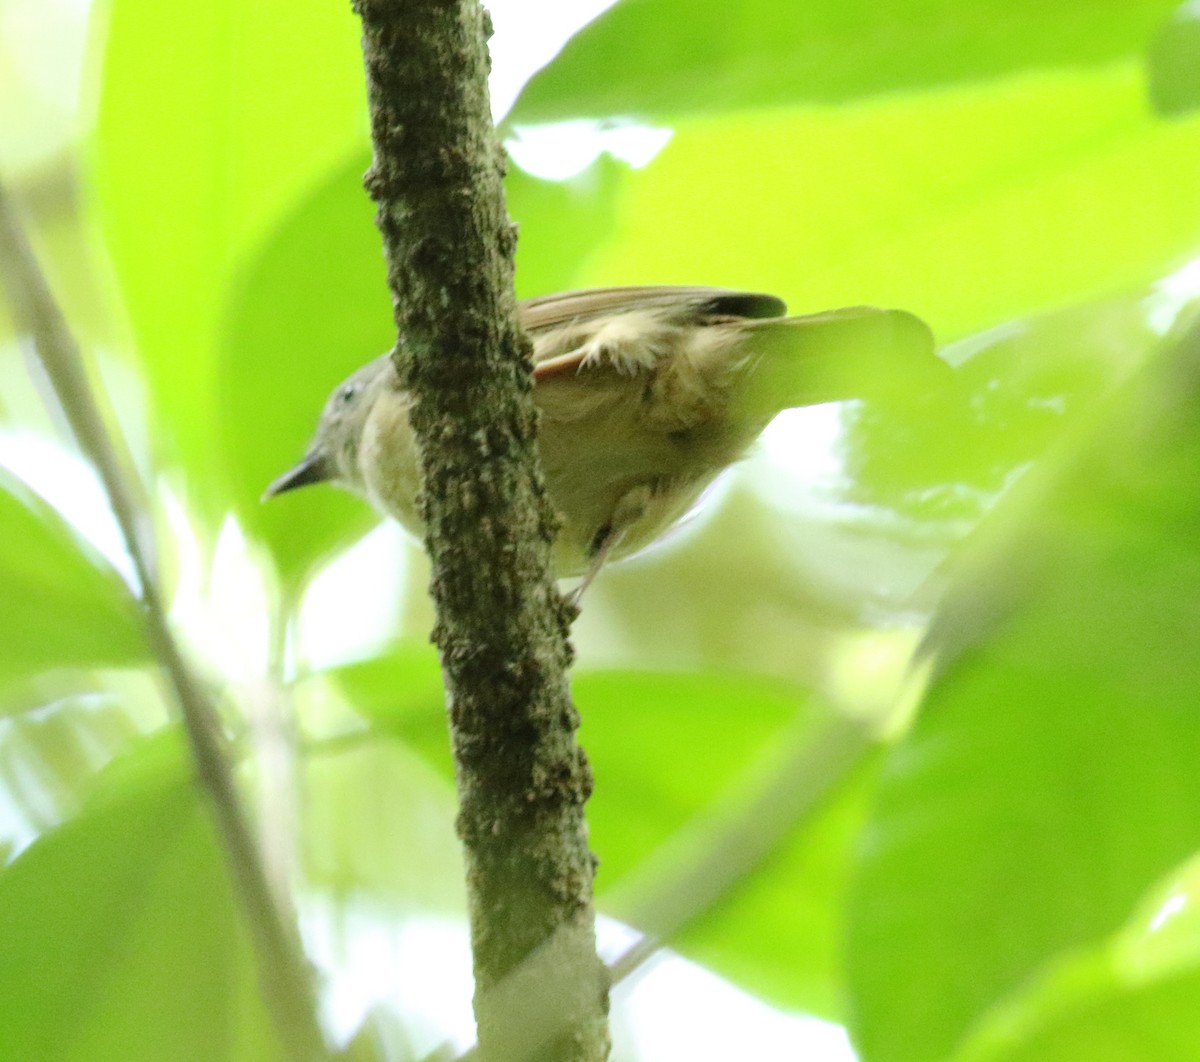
564 308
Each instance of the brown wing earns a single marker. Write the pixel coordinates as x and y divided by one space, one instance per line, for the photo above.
552 311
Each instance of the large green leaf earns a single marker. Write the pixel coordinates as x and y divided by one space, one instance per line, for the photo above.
1105 1017
306 309
679 759
1173 62
667 58
49 757
968 206
213 118
1133 996
1015 390
401 693
120 935
560 222
380 823
63 605
1051 776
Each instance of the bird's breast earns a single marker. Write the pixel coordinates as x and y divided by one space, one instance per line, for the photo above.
387 460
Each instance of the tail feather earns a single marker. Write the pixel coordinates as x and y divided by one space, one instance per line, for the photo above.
857 352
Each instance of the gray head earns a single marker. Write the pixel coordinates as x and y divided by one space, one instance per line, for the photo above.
332 455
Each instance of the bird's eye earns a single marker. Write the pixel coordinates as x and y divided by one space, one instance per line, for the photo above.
347 393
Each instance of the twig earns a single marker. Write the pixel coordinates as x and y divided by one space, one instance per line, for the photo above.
284 974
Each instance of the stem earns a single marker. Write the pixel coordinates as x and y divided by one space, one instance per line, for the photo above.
283 972
501 624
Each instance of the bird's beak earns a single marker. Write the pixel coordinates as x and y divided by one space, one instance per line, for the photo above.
315 468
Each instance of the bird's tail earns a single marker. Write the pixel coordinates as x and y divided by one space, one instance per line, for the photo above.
857 352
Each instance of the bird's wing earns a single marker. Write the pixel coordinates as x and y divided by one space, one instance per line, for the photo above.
567 307
552 317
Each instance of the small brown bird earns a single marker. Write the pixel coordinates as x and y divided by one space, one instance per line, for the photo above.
646 395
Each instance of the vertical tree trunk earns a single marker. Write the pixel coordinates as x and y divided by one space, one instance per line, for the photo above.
502 627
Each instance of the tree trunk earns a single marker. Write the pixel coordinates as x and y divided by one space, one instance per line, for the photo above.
502 627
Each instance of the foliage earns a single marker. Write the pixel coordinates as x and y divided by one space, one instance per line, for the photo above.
1011 876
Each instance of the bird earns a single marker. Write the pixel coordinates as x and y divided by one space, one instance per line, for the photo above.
646 394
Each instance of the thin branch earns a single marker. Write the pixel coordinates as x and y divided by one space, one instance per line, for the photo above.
284 974
501 624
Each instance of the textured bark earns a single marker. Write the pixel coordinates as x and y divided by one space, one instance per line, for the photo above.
502 627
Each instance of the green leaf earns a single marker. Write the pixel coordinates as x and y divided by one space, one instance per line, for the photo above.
676 757
1104 1018
1016 389
560 222
213 119
968 207
1131 997
120 935
1093 1007
400 691
1173 62
661 59
779 935
63 605
380 822
1050 777
306 309
50 756
715 725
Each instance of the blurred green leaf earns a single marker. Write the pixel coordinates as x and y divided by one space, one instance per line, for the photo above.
1016 389
1102 1018
1131 997
968 207
63 605
663 59
1164 932
48 757
715 726
120 935
306 309
1173 62
779 934
213 119
380 821
775 929
400 691
560 222
675 757
1050 778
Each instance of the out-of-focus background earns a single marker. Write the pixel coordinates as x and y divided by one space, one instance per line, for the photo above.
1009 875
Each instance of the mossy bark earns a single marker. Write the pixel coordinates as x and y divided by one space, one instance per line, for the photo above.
502 627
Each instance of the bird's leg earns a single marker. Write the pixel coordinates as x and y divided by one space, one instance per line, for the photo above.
628 511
